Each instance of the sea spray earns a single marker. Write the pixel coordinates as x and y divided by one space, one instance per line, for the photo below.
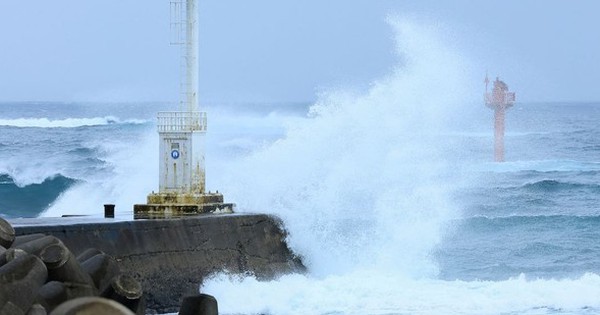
128 176
380 292
362 184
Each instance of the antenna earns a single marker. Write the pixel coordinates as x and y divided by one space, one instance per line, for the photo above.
183 28
486 81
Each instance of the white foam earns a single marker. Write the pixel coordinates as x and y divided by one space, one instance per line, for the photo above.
35 170
66 123
363 182
133 175
363 189
538 166
384 292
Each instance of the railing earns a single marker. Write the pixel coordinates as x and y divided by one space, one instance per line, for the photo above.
181 121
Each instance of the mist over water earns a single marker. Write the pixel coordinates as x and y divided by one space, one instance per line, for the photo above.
388 194
362 182
365 188
128 174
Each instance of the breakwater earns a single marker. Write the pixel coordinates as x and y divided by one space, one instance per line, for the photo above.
171 257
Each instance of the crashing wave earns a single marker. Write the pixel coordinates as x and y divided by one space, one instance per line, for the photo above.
31 200
67 122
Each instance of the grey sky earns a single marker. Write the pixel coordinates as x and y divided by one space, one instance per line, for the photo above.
278 50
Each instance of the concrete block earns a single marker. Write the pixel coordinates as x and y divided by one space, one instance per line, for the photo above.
102 269
36 309
62 265
11 254
128 291
27 238
20 280
201 304
7 233
88 253
91 306
10 309
54 293
36 246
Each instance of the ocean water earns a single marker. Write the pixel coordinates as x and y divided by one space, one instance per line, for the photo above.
389 194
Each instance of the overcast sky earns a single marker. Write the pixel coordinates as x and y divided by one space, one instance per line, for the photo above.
284 50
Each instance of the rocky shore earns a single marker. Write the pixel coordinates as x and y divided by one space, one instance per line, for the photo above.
156 262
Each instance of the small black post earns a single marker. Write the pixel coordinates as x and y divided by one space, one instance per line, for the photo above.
201 304
109 211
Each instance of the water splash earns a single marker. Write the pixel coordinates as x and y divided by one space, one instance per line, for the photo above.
129 176
363 185
362 180
377 293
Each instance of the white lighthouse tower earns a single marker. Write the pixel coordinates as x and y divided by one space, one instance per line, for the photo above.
182 184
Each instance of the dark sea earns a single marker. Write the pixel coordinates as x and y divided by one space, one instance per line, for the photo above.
392 214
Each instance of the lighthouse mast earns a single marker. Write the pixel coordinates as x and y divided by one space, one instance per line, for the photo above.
181 133
499 100
191 56
181 149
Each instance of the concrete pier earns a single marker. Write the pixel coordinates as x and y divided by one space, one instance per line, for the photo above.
171 257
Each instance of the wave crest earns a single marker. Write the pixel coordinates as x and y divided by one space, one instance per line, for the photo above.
30 200
67 122
551 185
490 223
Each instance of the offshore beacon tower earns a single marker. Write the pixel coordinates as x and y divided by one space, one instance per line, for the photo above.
500 99
182 189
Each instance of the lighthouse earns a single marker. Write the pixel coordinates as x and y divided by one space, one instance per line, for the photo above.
499 100
182 177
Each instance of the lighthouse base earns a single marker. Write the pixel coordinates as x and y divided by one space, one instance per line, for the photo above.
173 205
